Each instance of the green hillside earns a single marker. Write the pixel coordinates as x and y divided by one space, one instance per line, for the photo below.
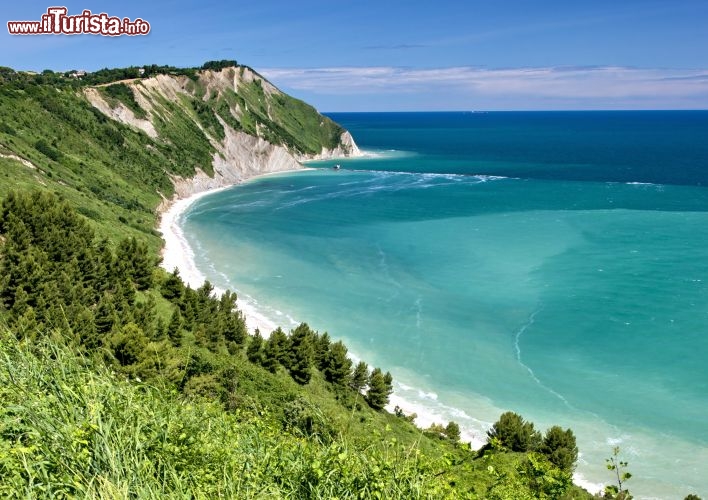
115 174
118 381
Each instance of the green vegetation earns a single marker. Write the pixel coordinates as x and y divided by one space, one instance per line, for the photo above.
69 427
621 476
513 432
119 381
121 92
68 296
560 448
219 65
115 174
270 114
288 121
111 173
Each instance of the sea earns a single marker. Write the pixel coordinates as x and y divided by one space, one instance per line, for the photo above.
554 264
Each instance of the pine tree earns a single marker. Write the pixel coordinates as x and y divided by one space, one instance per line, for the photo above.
271 353
160 330
338 367
279 347
84 327
254 352
388 380
27 325
301 354
133 261
200 336
560 447
214 334
227 302
360 376
21 303
142 266
124 295
513 432
452 431
20 270
379 391
205 307
188 310
144 314
173 287
129 344
105 316
321 344
235 328
105 279
123 265
174 329
89 270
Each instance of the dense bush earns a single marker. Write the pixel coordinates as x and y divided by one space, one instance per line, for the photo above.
217 65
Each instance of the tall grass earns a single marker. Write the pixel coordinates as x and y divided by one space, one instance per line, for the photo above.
70 428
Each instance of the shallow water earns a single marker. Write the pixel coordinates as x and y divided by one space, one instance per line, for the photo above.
554 264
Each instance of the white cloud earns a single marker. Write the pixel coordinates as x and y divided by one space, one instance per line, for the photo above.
559 83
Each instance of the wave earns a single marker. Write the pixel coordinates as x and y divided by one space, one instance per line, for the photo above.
431 175
517 338
380 154
384 181
366 155
657 186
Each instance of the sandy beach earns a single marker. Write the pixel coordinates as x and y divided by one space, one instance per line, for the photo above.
178 254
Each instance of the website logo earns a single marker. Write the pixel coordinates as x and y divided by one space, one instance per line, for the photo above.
57 21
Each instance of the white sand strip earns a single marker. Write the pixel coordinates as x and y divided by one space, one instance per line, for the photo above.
178 254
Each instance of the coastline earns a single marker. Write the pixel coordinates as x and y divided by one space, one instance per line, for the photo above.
177 253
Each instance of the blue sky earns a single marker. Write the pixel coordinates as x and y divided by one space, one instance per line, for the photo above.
411 55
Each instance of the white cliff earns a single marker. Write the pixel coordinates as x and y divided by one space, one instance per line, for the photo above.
238 155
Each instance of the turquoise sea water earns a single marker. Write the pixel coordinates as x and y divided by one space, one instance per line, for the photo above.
553 264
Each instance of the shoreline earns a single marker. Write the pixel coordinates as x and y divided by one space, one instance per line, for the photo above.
177 253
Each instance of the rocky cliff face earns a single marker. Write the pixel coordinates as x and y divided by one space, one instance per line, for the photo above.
250 125
346 148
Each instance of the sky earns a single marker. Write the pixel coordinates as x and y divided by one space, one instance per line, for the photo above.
414 55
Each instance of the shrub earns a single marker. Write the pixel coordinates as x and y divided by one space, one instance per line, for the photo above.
43 147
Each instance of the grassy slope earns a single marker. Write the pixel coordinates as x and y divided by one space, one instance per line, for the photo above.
83 431
71 427
103 168
112 174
